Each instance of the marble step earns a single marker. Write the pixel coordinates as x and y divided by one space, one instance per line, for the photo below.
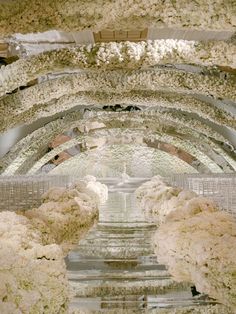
117 277
142 303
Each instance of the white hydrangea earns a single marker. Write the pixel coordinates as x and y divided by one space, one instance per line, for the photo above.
32 275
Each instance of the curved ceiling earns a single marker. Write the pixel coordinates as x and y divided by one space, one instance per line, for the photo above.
153 88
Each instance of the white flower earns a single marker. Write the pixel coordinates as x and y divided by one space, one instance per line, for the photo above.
201 249
125 15
131 87
68 212
195 239
118 55
32 275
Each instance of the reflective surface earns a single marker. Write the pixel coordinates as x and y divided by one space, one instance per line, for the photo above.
114 266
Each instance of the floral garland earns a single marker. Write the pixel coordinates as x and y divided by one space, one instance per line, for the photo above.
71 15
207 83
42 136
186 219
117 55
23 162
25 148
107 137
148 161
32 102
153 117
153 99
130 120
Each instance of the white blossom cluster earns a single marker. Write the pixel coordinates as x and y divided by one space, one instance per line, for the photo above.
32 275
160 199
76 15
195 239
200 247
67 213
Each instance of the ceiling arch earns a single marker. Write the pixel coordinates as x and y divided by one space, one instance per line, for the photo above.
207 82
26 16
145 87
123 137
180 90
114 55
25 154
129 159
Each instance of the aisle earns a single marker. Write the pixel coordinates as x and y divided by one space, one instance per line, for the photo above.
114 266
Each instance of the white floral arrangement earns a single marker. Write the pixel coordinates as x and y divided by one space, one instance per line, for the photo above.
32 268
201 249
67 213
32 275
195 239
153 195
163 202
114 55
71 15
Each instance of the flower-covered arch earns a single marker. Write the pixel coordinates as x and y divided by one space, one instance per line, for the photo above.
193 137
164 104
189 83
117 56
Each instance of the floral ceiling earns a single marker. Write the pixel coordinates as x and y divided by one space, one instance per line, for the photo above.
170 99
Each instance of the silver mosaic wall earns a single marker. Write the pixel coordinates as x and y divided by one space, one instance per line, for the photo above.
24 192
